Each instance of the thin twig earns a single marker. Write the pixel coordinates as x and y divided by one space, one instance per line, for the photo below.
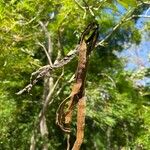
41 72
66 83
106 75
60 47
48 56
83 8
50 49
136 16
115 28
88 8
30 20
126 18
141 16
68 141
48 98
50 102
67 58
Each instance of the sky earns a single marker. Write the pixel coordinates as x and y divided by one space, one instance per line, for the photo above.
138 56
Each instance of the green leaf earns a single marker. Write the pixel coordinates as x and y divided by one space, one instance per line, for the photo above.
127 3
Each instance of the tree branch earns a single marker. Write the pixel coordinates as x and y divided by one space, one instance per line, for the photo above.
48 98
41 72
101 43
50 48
45 69
46 52
126 18
83 8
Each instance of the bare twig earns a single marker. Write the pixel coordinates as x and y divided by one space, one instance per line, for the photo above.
136 16
46 52
27 88
67 58
30 20
60 52
83 8
88 8
68 141
48 98
50 48
141 16
41 72
66 83
56 83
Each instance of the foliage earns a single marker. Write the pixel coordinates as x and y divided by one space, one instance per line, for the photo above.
117 110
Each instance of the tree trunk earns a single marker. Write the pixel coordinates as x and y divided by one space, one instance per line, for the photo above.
48 85
108 138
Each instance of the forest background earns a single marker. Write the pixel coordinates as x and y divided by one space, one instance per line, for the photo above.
118 97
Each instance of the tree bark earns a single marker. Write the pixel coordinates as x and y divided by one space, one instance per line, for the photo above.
108 138
48 85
